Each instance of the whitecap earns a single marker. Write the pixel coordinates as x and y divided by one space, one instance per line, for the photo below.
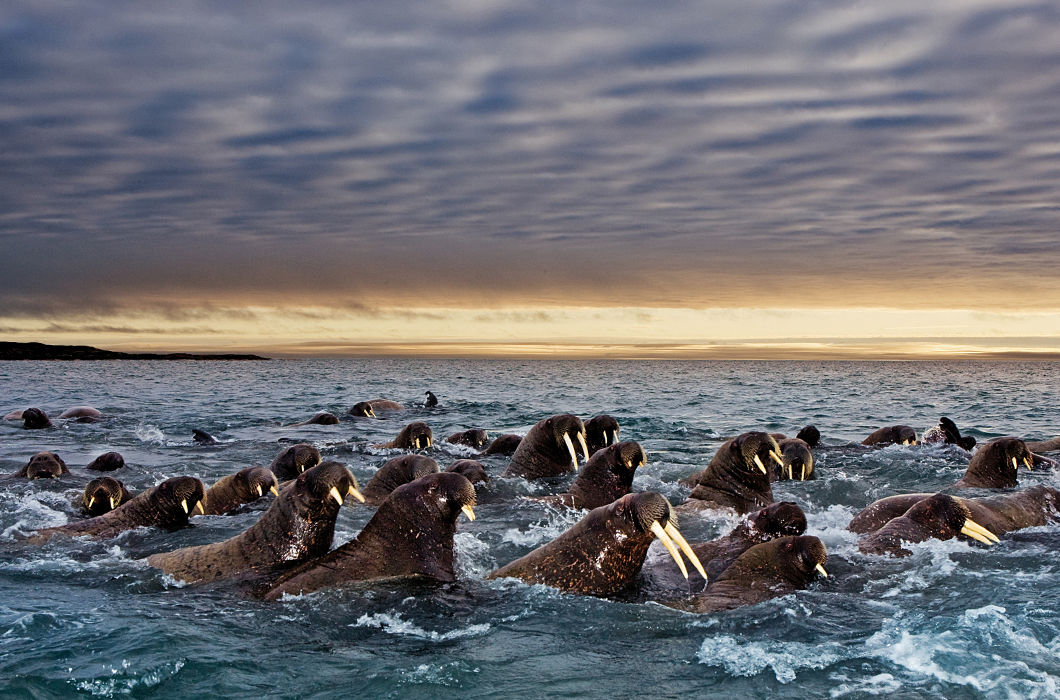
540 532
394 624
473 559
785 658
150 434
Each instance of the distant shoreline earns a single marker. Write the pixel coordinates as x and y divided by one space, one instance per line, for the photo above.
41 351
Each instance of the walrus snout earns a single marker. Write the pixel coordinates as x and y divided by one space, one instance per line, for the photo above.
330 480
44 465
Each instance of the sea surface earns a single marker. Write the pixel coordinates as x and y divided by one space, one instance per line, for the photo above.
89 617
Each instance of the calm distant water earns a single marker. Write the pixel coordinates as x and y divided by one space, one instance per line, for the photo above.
954 620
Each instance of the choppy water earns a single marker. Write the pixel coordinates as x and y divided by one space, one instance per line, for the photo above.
954 620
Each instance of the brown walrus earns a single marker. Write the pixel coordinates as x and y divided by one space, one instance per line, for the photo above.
106 462
1037 446
410 535
35 419
946 432
471 469
43 465
321 418
505 444
602 553
414 436
298 525
892 435
606 477
797 460
166 505
548 449
474 437
940 517
737 476
229 493
362 409
993 466
83 414
294 460
103 495
767 570
601 431
396 472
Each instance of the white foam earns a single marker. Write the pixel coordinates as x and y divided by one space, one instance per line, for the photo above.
150 434
540 532
785 658
473 559
880 684
393 624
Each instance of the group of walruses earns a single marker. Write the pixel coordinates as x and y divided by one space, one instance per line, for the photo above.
289 549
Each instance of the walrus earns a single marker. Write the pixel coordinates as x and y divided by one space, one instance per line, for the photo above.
797 460
892 435
43 465
35 419
940 517
548 449
414 436
298 525
431 401
294 460
201 437
321 418
601 554
600 431
231 492
780 519
14 415
362 409
993 466
767 570
505 444
1037 446
166 505
106 462
946 432
1030 507
396 472
83 414
606 477
410 535
385 405
737 476
103 495
475 437
471 469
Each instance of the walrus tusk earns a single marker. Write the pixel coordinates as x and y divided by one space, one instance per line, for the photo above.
371 412
112 504
658 531
585 448
274 491
260 492
776 457
978 533
428 441
184 505
334 493
356 494
758 461
91 500
198 507
468 511
570 448
1028 464
677 537
802 473
791 472
820 569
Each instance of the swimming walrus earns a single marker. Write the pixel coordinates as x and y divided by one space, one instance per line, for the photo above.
298 525
946 432
106 462
201 437
939 516
396 472
767 570
384 405
231 492
548 449
414 436
1037 446
474 437
606 477
505 444
362 409
321 418
166 505
993 466
294 460
779 519
43 465
471 469
602 553
892 435
411 534
103 495
83 414
797 460
737 476
601 431
35 419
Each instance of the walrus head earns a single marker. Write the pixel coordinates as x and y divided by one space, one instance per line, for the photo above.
810 435
106 462
362 409
566 429
44 465
320 491
940 517
103 495
174 500
34 419
323 418
397 472
797 461
607 475
892 435
414 436
475 437
778 520
294 460
471 469
253 482
995 464
505 444
601 431
800 558
755 450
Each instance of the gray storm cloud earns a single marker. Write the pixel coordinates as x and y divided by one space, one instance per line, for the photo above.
470 153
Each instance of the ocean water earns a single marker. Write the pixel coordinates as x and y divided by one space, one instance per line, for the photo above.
86 617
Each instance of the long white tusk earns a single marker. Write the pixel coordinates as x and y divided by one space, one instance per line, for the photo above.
614 436
356 494
570 448
802 473
112 504
758 461
428 441
468 512
198 507
585 448
658 531
274 491
1015 465
978 532
184 505
1028 463
677 537
791 473
91 500
334 493
820 568
371 412
776 458
260 492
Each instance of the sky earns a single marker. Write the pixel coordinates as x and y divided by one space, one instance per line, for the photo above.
613 179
